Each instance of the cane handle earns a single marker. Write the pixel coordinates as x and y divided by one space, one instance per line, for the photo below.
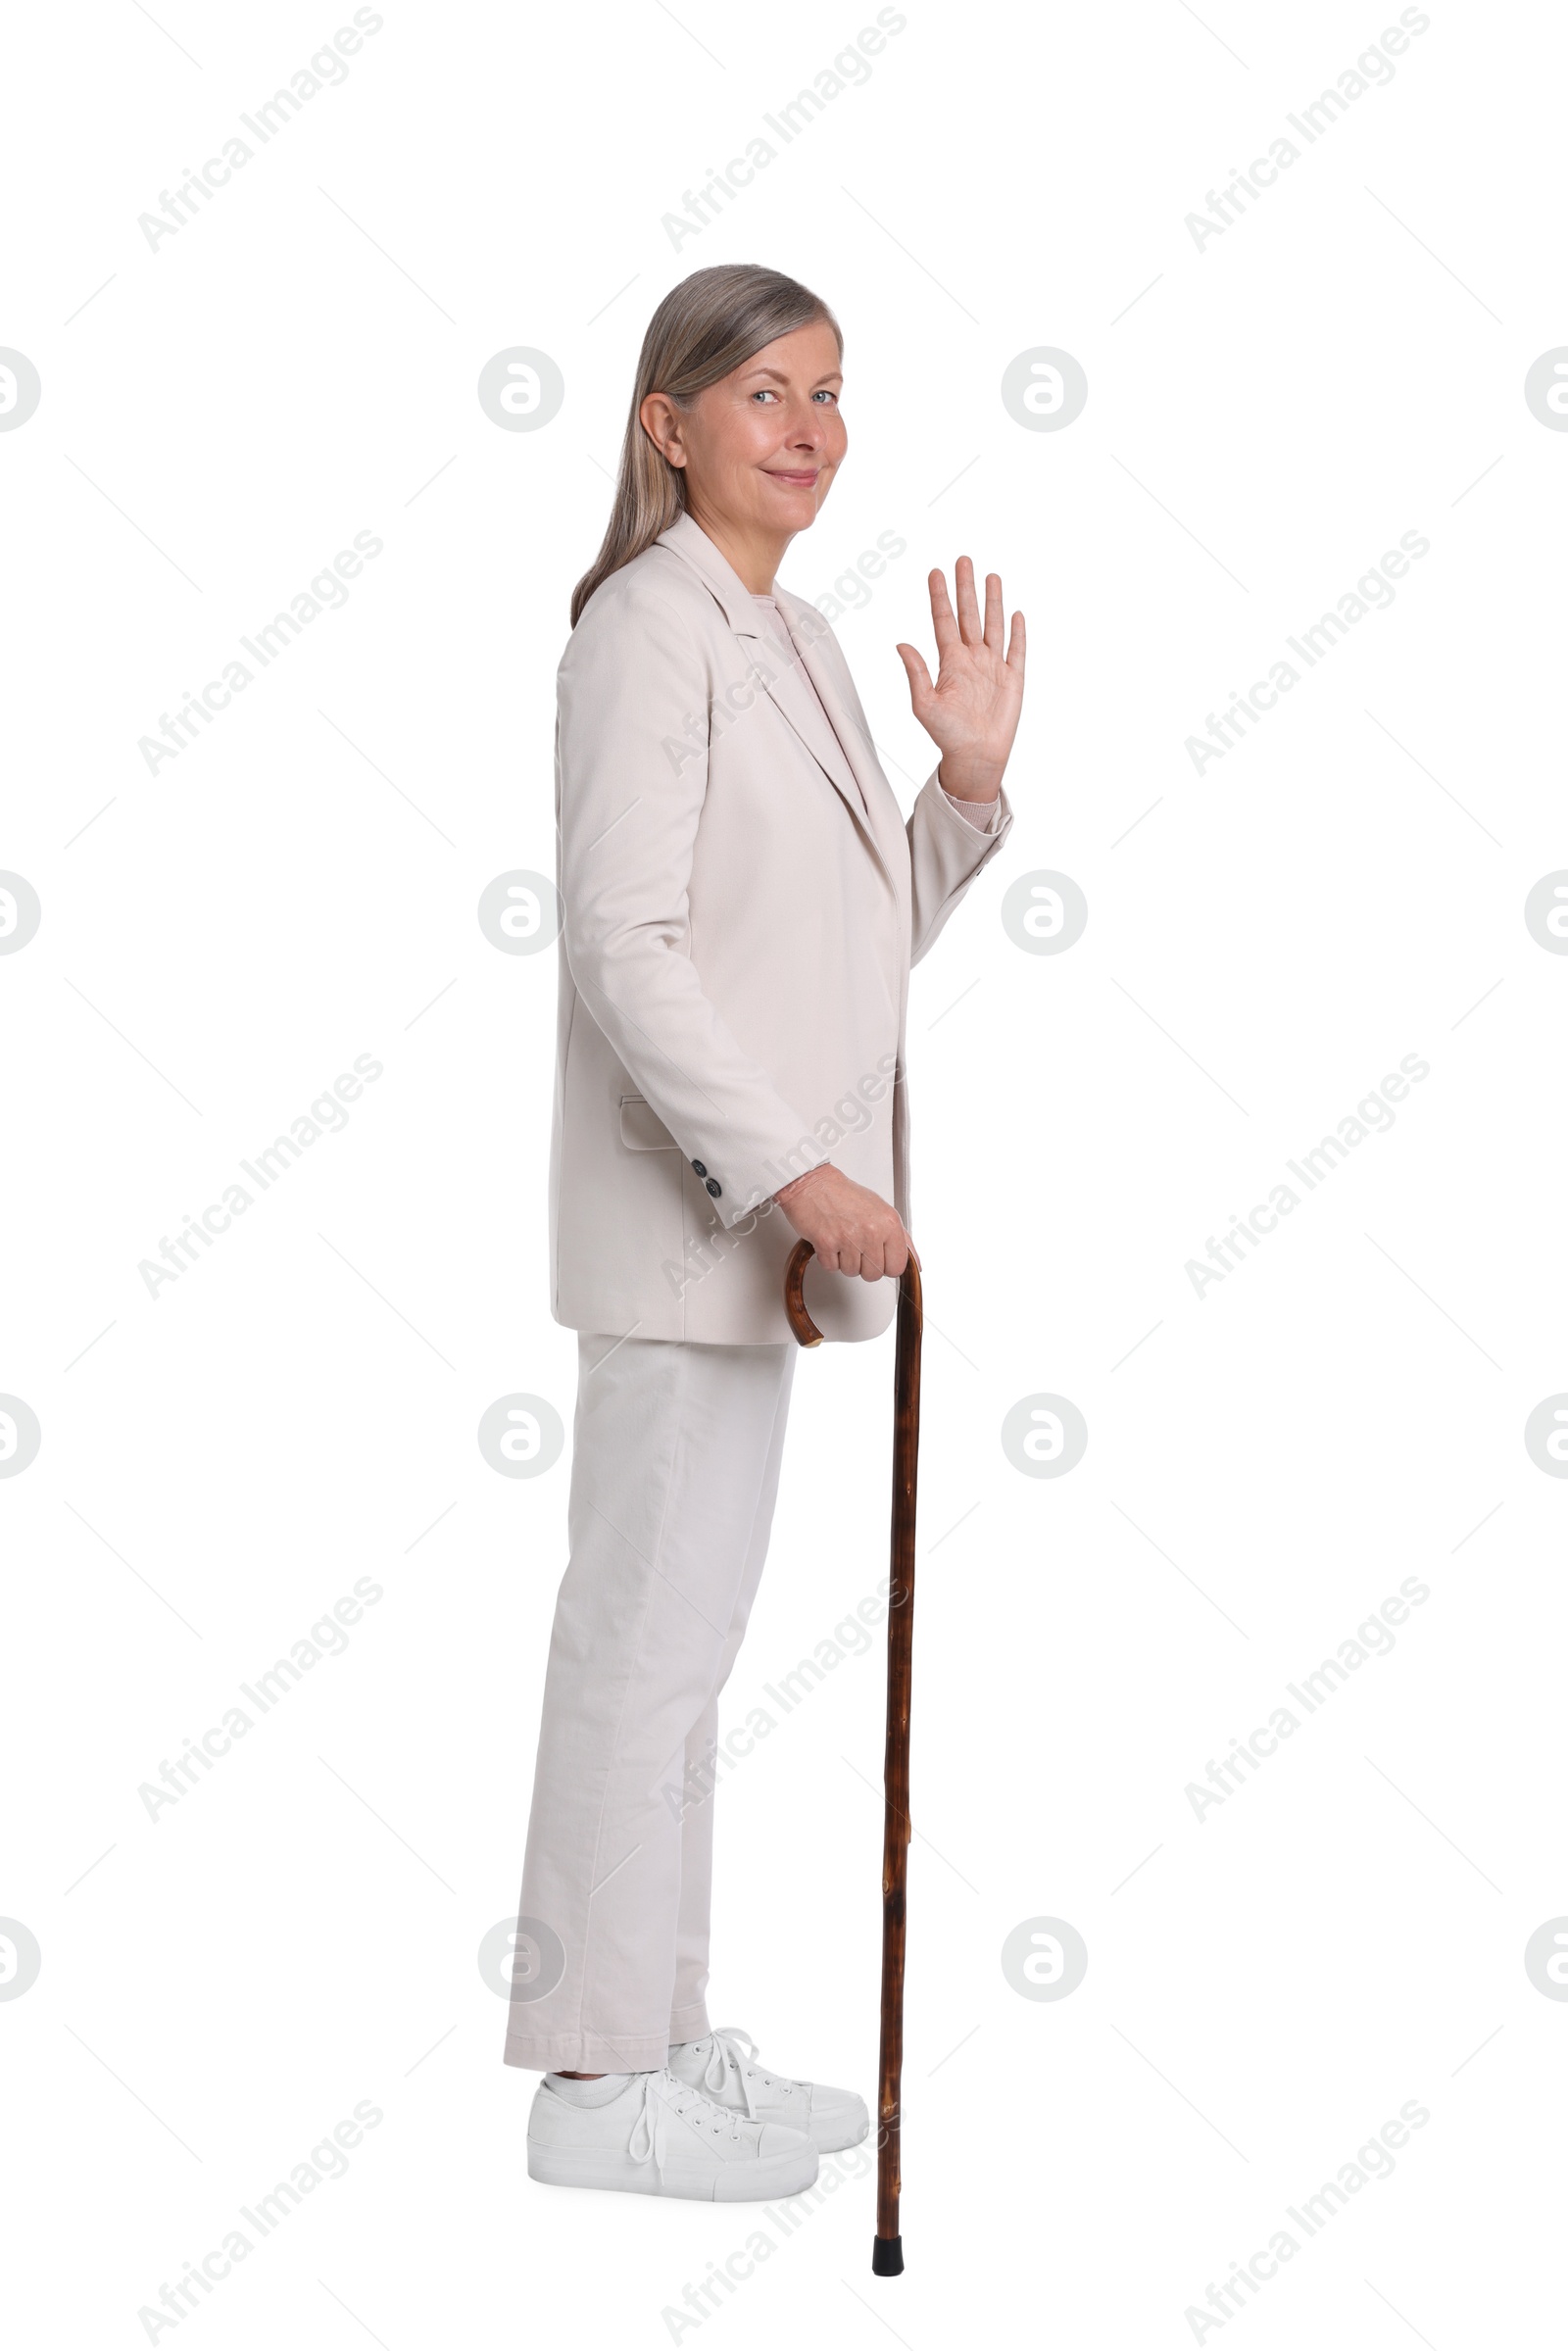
800 1321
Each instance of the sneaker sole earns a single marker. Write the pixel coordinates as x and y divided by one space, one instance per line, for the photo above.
739 2183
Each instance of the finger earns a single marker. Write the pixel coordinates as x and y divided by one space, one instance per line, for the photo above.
968 604
942 620
994 612
915 670
1016 645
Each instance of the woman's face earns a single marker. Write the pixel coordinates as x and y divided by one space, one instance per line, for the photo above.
760 447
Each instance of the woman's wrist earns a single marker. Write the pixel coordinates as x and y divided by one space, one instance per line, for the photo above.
797 1184
972 779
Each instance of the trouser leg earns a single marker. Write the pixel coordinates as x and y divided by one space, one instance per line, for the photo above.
689 2015
674 1446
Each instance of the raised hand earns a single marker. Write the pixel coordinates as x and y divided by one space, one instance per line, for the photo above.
971 713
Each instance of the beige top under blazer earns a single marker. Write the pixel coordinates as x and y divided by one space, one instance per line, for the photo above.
741 904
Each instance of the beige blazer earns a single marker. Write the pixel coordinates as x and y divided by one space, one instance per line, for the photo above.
741 904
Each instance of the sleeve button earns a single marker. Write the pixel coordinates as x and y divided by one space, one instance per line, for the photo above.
699 1168
715 1188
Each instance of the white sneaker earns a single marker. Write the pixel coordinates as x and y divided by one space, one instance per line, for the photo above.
659 2136
729 2072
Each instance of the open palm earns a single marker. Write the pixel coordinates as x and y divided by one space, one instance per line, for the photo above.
971 713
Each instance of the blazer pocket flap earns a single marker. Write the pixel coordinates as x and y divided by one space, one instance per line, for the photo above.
641 1127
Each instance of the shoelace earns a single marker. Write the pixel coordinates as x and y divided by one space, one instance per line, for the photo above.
664 2095
727 2051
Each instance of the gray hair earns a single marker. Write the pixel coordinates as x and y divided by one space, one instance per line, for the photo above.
705 327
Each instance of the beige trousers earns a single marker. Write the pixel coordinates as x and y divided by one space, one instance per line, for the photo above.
676 1450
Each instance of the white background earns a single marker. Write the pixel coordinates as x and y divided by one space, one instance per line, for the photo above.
1266 416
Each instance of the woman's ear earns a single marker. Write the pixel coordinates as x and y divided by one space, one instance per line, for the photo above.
660 421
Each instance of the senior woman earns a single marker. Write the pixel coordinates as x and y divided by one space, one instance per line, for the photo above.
742 902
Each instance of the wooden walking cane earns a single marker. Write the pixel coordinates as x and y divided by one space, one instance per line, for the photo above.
887 2251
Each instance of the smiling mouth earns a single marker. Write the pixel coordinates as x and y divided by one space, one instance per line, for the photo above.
798 481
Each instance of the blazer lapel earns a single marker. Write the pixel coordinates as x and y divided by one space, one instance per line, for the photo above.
823 660
789 684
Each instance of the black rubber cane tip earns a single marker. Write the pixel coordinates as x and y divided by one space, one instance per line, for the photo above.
887 2256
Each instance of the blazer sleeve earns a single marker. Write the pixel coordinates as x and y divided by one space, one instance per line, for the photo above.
632 742
946 852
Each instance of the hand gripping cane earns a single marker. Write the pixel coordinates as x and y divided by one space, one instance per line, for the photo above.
887 2252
